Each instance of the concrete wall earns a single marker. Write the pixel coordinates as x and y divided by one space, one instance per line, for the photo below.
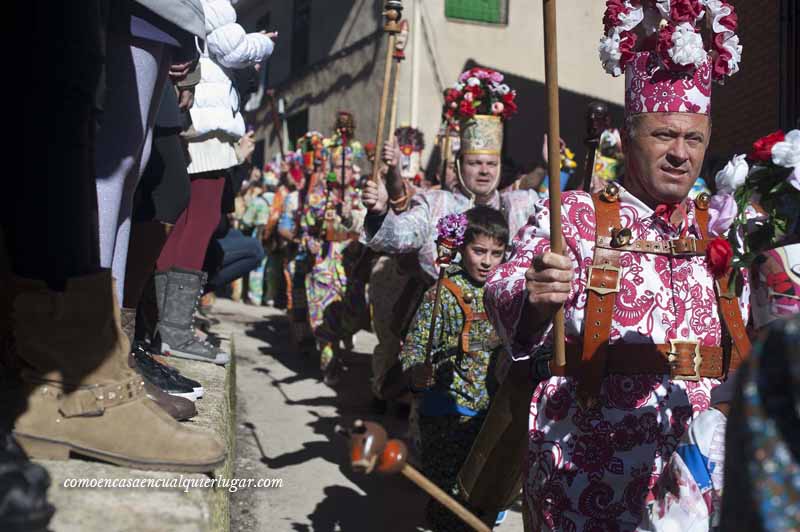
350 77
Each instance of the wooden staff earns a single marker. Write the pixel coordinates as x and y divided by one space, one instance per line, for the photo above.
554 160
371 450
398 55
434 315
392 11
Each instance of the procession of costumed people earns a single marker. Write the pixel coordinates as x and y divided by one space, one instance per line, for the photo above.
611 342
663 286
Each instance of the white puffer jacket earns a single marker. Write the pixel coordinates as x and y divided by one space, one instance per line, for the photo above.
215 112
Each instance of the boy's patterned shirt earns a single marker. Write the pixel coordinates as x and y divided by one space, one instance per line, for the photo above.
466 377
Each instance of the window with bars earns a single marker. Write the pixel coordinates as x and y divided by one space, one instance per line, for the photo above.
486 11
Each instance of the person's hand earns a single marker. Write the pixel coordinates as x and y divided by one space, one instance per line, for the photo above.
247 144
185 98
421 376
313 247
179 71
375 198
391 153
548 282
272 35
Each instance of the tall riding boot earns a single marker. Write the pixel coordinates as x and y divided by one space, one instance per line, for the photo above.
83 397
178 292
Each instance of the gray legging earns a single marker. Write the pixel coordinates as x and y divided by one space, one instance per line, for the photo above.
136 72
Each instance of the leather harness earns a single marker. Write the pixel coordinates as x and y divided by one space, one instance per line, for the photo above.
470 316
680 359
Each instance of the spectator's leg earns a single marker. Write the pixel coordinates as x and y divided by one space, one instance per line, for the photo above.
136 73
187 244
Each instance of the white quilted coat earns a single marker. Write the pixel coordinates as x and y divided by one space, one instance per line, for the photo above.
215 112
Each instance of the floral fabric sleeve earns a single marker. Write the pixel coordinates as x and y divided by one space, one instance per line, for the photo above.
505 293
406 232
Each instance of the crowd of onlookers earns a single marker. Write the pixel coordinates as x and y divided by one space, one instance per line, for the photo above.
143 100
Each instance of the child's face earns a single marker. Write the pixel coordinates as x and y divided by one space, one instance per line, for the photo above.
480 256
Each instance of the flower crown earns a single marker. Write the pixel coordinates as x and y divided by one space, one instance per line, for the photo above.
671 28
480 91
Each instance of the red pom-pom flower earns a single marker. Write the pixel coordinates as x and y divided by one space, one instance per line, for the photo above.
719 255
762 148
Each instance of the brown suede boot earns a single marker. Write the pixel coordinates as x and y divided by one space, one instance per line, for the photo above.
83 397
128 318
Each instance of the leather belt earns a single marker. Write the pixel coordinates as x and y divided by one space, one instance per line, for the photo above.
677 247
681 360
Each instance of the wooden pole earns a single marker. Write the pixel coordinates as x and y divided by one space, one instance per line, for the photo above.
444 499
554 159
392 13
396 86
434 315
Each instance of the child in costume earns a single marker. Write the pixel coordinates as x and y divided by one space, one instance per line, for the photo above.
454 387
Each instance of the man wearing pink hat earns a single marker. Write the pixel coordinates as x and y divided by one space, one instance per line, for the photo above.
652 325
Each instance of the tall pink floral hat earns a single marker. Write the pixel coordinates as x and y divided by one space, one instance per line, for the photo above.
670 52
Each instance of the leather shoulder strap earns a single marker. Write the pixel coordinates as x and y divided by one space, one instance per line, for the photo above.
727 302
602 285
466 308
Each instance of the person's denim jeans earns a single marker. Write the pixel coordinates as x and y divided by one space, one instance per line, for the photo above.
240 256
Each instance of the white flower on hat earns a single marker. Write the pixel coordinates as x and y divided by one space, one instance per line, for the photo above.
459 87
503 89
610 54
733 175
687 46
787 153
718 10
473 82
632 19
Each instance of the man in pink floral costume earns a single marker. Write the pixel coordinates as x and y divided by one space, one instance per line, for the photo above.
648 335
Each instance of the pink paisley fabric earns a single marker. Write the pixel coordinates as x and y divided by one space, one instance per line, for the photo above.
590 469
651 88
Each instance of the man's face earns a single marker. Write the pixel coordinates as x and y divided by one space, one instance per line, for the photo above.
665 155
481 173
481 256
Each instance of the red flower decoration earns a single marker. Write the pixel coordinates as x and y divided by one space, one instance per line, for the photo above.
780 282
613 10
762 148
466 109
452 95
718 257
627 47
731 22
475 90
685 11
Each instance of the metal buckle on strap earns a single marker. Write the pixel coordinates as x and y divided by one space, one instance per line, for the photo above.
603 289
672 358
688 246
